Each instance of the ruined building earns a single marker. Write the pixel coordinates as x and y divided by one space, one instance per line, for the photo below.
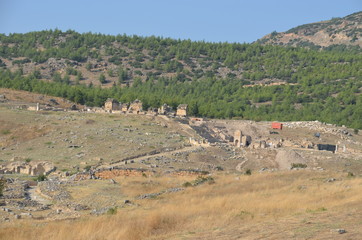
152 111
111 104
124 107
135 107
31 168
237 138
165 110
241 140
182 110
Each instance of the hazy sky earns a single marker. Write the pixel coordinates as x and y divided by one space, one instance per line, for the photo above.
209 20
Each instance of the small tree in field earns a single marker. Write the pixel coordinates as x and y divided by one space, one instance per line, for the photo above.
2 186
102 78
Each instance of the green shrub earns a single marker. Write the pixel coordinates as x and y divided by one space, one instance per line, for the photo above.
112 211
40 178
5 132
2 186
187 184
299 165
321 209
219 168
199 180
248 172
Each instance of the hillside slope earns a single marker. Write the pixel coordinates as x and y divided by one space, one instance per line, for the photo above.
337 31
217 80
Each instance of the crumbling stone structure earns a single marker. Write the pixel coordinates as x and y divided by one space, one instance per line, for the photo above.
111 104
2 98
181 110
152 111
135 107
237 138
124 107
165 110
241 140
245 141
31 168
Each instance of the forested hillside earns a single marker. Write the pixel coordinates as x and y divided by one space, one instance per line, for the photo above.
219 80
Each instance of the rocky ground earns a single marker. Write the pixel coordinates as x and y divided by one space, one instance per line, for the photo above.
104 162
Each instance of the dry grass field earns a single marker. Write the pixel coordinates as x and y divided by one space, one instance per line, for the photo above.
282 205
74 140
270 203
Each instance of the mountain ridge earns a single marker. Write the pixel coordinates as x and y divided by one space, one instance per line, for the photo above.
337 31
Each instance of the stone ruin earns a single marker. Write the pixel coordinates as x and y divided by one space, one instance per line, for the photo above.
135 107
2 98
124 107
166 110
152 111
181 110
29 168
111 104
241 140
199 142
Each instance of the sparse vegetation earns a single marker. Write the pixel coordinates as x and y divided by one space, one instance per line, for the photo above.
112 211
298 165
2 186
149 179
306 35
5 132
199 180
40 178
187 184
260 201
102 78
219 168
321 209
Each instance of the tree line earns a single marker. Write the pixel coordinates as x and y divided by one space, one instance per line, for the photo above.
212 78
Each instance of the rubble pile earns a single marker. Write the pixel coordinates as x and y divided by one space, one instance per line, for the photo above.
317 126
30 168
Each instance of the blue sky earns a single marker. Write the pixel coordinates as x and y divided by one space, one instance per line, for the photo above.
209 20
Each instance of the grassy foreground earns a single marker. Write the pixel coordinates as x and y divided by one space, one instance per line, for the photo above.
231 208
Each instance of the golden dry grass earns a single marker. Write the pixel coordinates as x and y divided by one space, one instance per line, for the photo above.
229 202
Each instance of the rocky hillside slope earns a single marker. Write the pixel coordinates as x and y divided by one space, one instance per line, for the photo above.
337 31
215 80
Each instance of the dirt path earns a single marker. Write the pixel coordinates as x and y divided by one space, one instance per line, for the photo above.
35 196
139 159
